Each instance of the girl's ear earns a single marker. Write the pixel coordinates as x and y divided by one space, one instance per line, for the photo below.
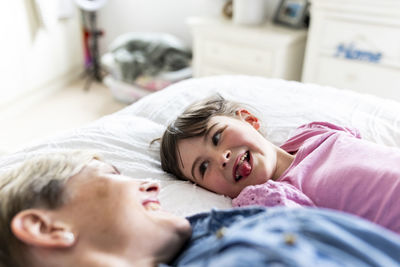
37 228
249 118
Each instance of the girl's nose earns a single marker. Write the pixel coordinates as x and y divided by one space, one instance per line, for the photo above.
150 187
225 157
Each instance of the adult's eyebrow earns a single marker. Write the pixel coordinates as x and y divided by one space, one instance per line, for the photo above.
205 140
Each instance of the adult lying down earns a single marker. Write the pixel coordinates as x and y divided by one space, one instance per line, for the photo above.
73 209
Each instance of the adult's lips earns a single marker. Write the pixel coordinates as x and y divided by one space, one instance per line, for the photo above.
242 167
151 204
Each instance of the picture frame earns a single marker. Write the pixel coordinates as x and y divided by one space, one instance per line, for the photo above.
292 13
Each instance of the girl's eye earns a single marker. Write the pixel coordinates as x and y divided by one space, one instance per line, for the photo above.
216 137
203 168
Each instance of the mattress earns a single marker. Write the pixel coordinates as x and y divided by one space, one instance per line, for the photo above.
124 138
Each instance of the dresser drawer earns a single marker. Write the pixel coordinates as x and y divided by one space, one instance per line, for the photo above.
268 50
359 76
355 40
250 60
213 70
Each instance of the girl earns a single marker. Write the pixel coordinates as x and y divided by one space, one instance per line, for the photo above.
216 144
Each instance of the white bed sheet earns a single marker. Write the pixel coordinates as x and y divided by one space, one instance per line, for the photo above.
123 138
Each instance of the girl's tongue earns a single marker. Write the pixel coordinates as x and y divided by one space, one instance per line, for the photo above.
244 169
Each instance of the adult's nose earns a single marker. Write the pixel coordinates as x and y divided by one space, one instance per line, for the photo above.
150 187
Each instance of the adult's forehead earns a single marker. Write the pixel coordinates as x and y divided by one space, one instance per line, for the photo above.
87 171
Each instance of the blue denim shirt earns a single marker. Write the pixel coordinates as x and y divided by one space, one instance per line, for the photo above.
287 237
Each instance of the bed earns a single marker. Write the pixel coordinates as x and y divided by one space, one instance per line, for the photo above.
124 138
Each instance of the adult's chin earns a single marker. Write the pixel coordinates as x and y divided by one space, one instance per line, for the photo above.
179 234
182 227
175 223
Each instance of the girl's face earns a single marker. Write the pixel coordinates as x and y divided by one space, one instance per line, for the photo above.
230 156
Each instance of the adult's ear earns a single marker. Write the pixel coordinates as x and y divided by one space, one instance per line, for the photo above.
37 228
249 118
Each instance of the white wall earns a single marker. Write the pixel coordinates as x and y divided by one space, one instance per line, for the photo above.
121 16
30 63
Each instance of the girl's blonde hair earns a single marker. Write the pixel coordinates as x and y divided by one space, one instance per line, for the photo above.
37 182
192 122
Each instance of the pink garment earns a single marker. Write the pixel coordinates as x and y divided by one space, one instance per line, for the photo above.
338 170
272 194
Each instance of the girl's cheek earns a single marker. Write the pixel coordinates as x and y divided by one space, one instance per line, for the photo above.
219 182
213 179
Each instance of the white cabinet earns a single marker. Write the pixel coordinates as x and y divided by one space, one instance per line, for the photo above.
355 44
221 47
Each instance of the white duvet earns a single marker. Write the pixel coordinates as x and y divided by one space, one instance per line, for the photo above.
123 138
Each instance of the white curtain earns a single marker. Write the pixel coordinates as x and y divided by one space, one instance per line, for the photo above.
37 47
34 17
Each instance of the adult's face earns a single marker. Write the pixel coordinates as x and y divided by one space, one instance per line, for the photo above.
118 214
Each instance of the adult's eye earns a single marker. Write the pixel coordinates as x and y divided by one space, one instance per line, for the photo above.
115 170
203 167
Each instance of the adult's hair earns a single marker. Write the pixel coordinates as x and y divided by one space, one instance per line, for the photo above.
35 183
192 122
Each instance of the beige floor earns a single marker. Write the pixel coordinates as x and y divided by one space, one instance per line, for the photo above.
68 108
